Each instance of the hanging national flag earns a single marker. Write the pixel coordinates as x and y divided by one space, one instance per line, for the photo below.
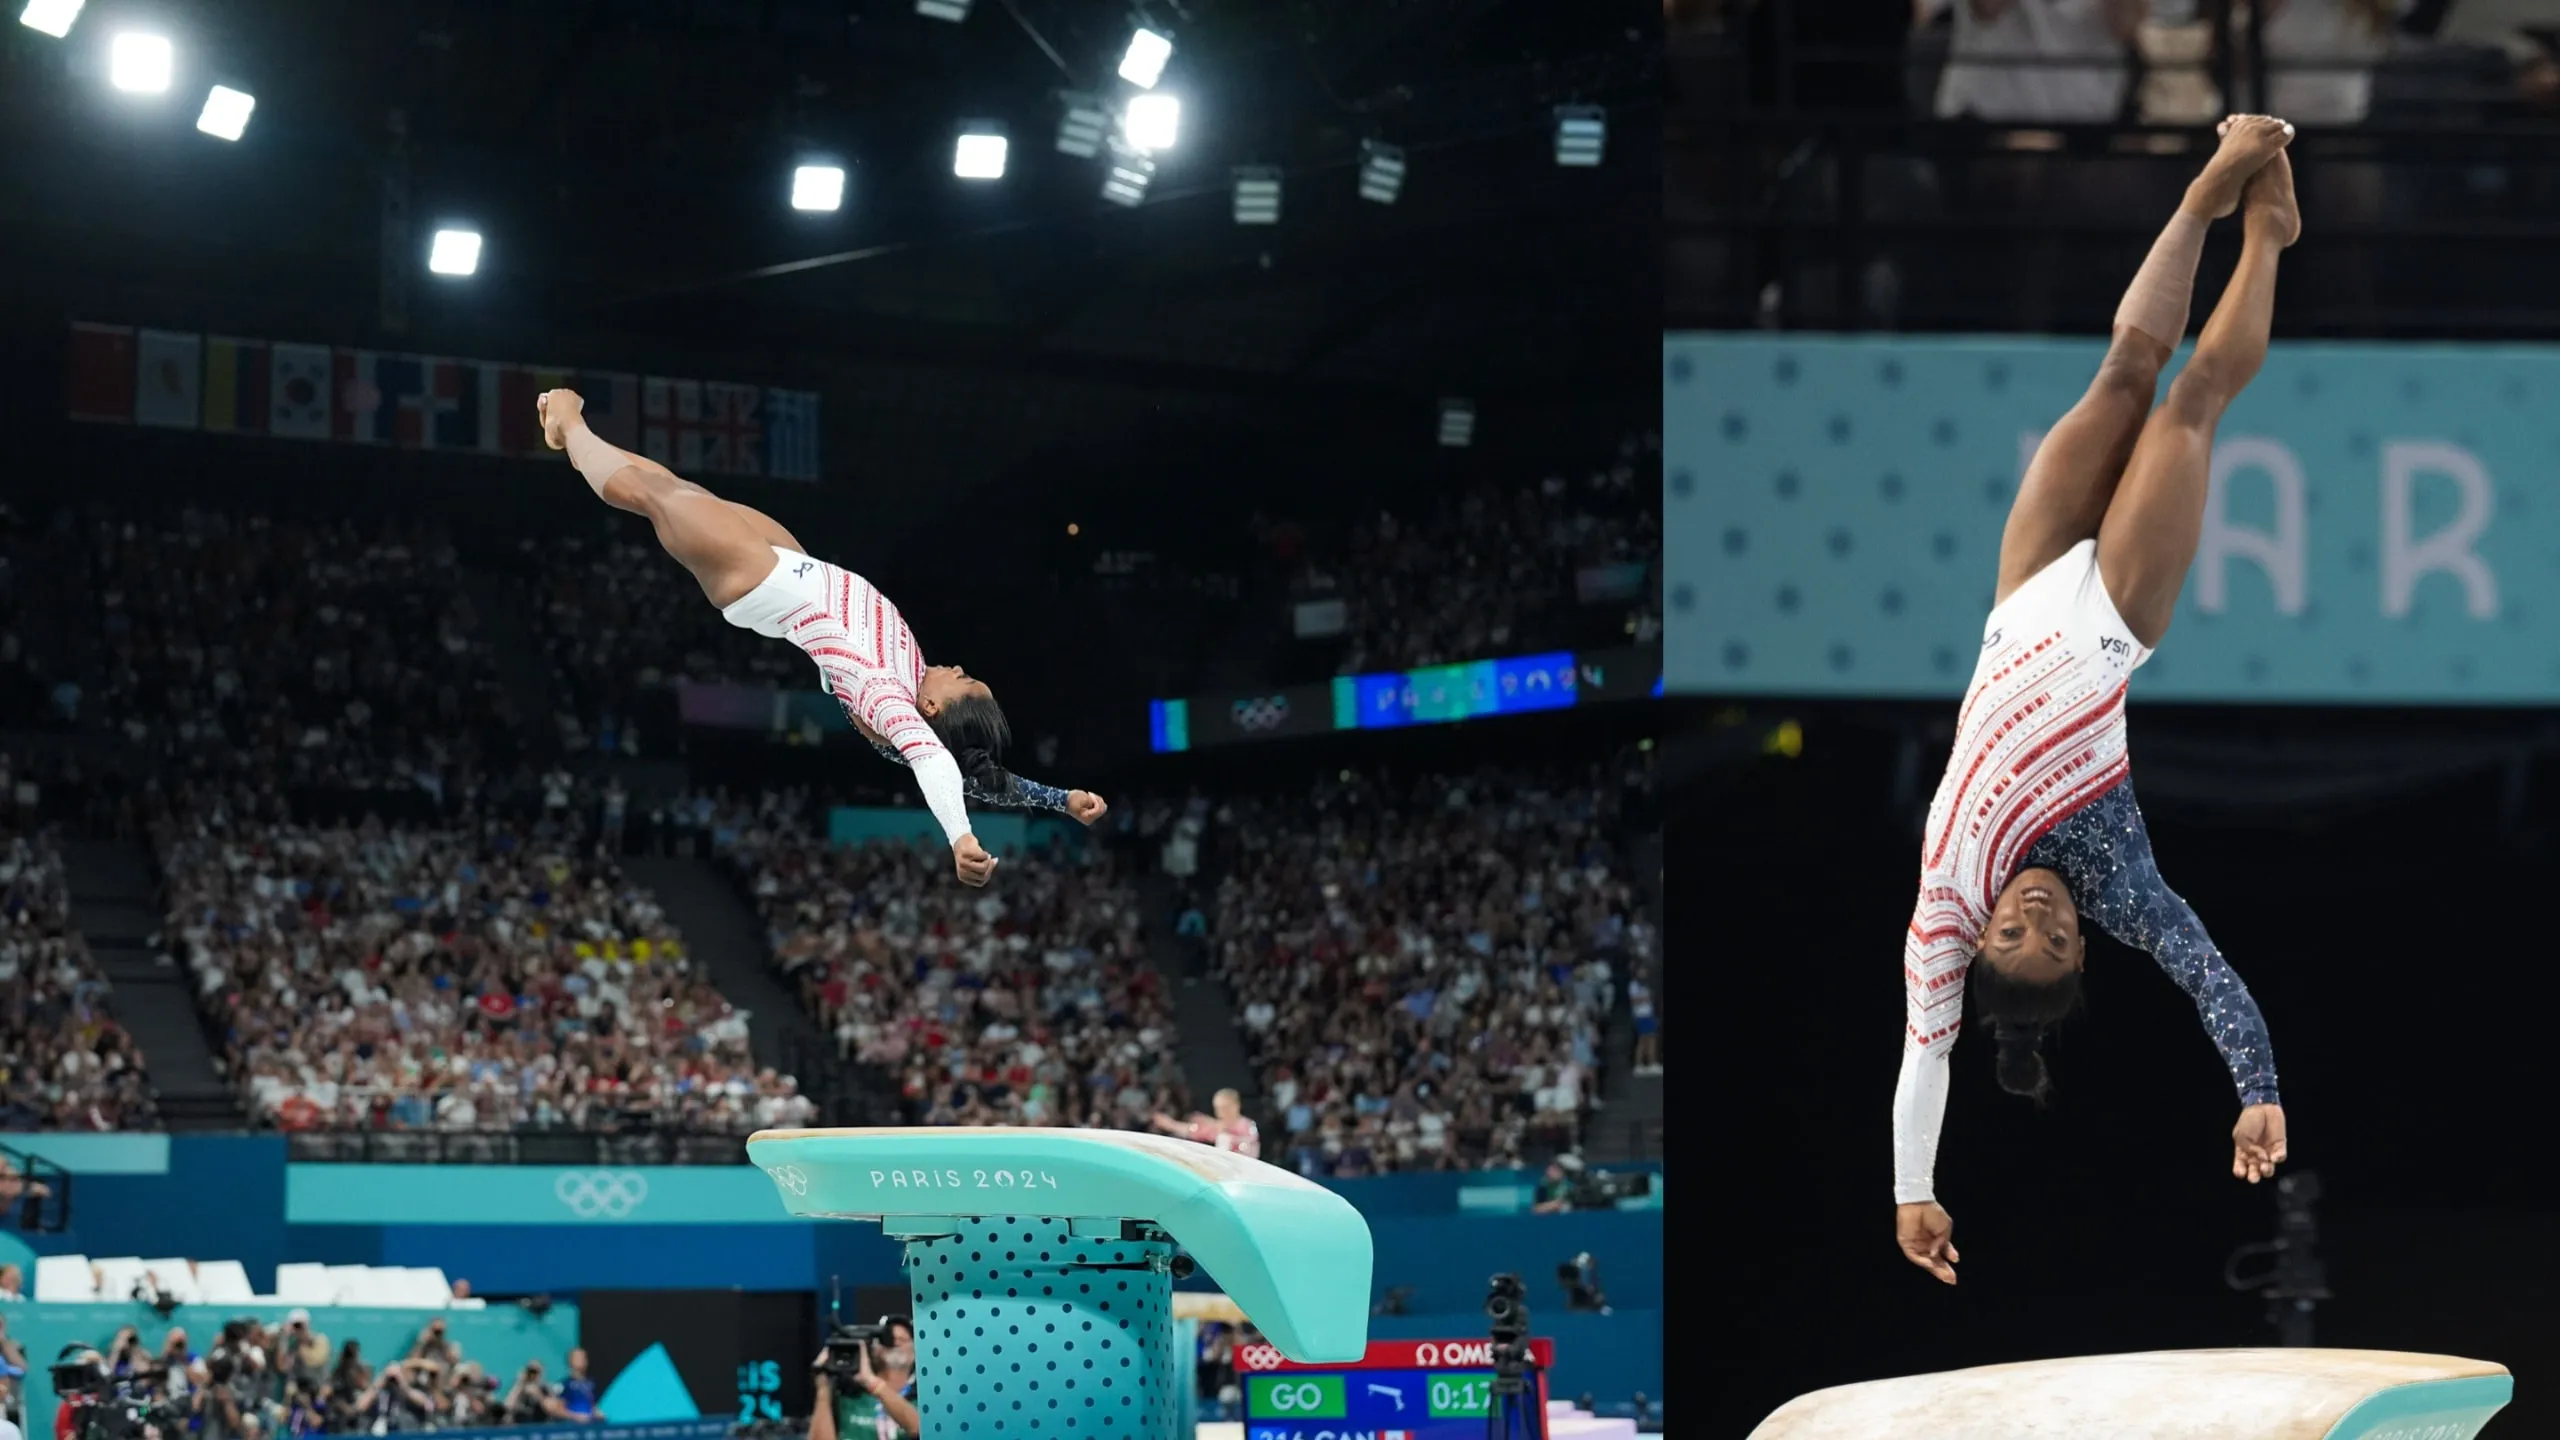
100 383
791 434
732 429
461 403
613 405
381 399
671 423
298 391
168 379
519 419
235 385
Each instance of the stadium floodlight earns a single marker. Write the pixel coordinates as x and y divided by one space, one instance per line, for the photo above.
980 153
1081 125
1457 423
1381 172
1257 195
226 112
954 11
1152 122
1143 65
817 187
455 252
140 62
1125 183
1582 131
52 17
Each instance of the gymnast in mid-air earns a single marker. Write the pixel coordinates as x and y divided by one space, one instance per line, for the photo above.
938 720
2034 825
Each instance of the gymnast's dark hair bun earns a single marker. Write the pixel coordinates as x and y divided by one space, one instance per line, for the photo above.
973 729
2022 1069
982 768
2019 1013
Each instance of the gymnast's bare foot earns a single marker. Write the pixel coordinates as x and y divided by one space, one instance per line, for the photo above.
2247 143
2269 196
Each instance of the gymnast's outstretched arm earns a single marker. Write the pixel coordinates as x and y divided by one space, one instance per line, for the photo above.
2136 906
1023 794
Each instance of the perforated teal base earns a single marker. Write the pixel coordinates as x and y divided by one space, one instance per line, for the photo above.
1022 1330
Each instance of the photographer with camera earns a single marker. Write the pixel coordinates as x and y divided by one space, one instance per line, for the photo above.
219 1411
864 1379
531 1400
394 1400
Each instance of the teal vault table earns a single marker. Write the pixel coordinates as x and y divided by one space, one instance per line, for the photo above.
1042 1263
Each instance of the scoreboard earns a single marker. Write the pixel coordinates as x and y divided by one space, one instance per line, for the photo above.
1400 1390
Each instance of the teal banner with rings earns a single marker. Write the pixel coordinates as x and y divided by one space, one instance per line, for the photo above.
531 1195
2382 527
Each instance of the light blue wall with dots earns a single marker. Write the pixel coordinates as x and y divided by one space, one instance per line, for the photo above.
2384 525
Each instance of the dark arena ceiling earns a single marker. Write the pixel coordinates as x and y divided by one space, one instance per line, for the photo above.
629 160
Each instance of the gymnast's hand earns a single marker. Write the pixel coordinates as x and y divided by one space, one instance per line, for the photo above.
1927 1235
2257 1143
975 865
1085 806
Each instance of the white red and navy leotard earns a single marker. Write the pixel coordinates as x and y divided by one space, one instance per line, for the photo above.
871 664
2039 777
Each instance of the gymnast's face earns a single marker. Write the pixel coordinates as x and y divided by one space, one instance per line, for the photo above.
948 685
2034 933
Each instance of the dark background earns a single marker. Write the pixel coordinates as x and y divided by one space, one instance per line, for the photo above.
2387 919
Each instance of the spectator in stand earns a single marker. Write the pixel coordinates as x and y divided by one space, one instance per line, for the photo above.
1555 1191
13 1283
1228 1129
578 1389
2007 61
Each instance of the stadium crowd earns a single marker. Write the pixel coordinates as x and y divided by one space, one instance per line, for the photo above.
1030 1002
254 1380
1502 569
1425 967
315 654
65 1063
492 978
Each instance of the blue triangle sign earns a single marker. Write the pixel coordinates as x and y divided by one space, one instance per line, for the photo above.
648 1391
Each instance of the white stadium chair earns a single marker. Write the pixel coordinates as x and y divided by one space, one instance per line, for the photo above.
65 1278
426 1289
345 1283
224 1282
301 1284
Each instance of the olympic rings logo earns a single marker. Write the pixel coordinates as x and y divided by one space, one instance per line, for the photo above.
791 1178
1261 714
1258 1357
601 1194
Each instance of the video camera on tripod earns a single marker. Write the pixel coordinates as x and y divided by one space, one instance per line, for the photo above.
105 1408
1516 1412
